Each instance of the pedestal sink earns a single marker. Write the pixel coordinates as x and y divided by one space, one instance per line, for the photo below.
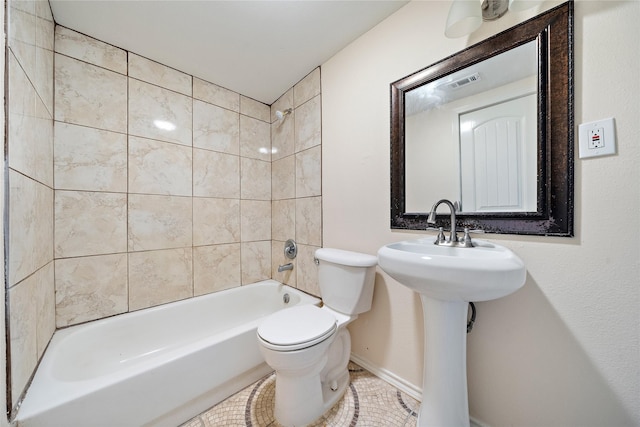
447 278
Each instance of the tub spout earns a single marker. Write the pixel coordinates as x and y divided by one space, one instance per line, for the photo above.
288 266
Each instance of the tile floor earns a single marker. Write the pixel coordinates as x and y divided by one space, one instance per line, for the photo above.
369 401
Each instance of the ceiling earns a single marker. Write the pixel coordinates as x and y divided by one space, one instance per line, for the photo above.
499 70
259 49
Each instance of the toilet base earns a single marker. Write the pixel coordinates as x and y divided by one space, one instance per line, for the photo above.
330 396
304 394
301 401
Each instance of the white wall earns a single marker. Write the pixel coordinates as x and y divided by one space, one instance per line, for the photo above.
564 350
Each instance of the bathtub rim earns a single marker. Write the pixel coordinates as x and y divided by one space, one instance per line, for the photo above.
33 405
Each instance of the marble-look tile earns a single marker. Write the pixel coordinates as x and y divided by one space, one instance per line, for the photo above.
278 258
43 10
216 174
307 271
23 334
307 88
44 140
30 226
30 128
45 306
21 36
255 179
155 73
90 223
252 108
283 222
22 95
159 222
45 32
216 95
309 221
308 125
215 128
159 113
283 178
87 49
43 81
308 172
215 221
256 261
158 277
215 268
28 6
255 220
157 167
282 137
89 159
89 288
89 95
255 138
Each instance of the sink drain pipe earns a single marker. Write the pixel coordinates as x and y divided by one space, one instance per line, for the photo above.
473 317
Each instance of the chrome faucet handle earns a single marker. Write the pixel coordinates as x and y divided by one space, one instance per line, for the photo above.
466 239
441 237
475 230
290 249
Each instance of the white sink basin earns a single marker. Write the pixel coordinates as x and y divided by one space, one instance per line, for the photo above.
447 278
484 272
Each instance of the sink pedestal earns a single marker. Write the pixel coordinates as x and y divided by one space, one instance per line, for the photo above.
447 278
444 395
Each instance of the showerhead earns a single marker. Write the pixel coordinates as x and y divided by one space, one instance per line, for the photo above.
280 114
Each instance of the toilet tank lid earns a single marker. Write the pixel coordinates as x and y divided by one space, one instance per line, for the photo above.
339 256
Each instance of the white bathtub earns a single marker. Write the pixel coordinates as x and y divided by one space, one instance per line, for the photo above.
159 366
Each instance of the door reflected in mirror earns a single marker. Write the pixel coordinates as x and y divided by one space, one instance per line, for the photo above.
474 132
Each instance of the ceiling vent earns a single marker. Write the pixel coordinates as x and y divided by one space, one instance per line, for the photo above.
475 77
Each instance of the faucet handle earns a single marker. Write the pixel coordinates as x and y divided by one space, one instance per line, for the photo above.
441 237
475 230
466 239
466 235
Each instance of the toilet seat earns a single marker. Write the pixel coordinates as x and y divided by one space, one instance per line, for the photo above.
296 328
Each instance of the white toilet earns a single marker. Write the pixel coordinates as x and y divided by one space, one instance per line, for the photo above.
309 346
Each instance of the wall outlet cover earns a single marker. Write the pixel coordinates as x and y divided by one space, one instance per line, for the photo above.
597 138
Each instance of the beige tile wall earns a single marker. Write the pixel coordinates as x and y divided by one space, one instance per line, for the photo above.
168 187
147 185
30 158
296 182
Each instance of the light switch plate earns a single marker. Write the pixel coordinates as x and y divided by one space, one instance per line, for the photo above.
597 138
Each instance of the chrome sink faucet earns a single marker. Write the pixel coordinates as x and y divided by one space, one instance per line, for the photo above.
464 242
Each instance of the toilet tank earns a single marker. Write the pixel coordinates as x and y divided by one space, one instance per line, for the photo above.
346 279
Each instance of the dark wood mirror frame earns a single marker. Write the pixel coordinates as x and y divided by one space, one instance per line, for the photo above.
553 31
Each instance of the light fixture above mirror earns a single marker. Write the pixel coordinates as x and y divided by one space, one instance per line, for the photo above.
466 16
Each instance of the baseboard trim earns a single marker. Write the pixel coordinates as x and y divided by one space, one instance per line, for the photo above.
401 384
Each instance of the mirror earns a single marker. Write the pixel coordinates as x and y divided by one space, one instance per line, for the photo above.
476 129
490 127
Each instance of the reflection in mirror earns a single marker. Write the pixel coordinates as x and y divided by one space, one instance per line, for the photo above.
476 128
491 128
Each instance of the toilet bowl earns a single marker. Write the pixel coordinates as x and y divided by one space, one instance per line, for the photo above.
309 346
